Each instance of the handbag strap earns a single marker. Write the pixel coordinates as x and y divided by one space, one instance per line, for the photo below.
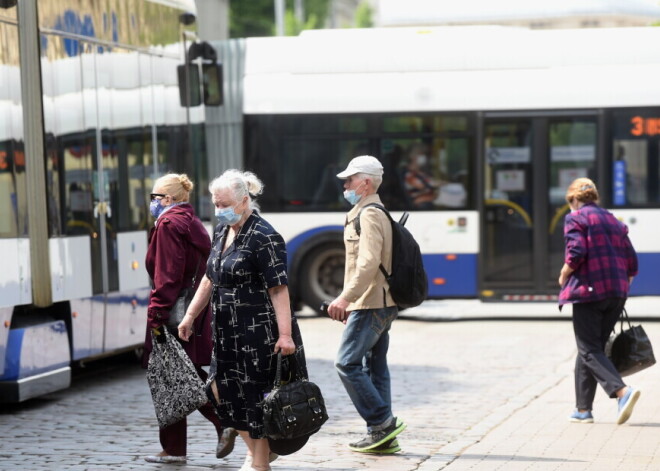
278 371
194 277
624 315
293 365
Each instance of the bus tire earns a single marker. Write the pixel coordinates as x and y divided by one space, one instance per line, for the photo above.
322 274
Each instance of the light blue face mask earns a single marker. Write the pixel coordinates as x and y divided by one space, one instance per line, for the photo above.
227 216
352 197
155 208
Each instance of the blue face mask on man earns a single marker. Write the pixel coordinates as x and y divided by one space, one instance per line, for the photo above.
352 197
156 208
227 216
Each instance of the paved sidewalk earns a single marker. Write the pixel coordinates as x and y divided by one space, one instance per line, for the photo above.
475 395
538 436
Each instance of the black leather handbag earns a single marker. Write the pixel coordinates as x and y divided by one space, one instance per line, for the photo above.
630 350
293 409
178 311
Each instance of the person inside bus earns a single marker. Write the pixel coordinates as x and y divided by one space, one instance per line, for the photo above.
247 284
178 242
599 265
422 190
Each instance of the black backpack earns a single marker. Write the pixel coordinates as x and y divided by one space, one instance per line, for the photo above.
408 282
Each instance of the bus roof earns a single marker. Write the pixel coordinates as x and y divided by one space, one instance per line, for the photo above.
453 69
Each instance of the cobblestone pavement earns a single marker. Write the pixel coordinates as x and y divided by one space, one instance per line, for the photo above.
475 395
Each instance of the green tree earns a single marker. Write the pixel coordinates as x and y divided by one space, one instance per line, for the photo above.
249 18
293 27
364 15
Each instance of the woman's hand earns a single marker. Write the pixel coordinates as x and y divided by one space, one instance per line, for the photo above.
564 274
186 327
285 345
561 280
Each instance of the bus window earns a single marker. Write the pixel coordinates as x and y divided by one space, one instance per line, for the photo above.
635 154
310 182
572 155
631 173
425 174
425 124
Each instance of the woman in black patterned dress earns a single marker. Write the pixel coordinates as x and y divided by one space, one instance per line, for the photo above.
246 281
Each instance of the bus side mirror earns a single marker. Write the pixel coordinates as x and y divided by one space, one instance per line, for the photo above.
193 75
212 80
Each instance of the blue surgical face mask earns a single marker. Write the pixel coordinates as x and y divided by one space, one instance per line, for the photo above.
156 208
227 216
352 197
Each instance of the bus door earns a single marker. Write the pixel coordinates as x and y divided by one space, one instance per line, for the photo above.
528 162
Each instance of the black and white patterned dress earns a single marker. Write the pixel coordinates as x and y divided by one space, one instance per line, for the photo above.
244 321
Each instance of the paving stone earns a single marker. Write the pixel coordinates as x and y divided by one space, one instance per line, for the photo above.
478 395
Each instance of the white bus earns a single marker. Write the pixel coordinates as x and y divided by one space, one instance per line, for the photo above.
89 115
499 119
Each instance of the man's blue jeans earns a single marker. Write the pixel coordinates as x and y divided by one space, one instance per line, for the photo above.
362 364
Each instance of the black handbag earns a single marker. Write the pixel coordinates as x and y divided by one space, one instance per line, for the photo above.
630 350
180 307
294 409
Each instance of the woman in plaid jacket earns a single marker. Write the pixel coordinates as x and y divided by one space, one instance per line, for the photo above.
599 265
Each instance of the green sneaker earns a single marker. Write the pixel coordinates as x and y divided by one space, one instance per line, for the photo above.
387 448
379 437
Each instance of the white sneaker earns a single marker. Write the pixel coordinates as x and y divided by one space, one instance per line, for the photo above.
247 464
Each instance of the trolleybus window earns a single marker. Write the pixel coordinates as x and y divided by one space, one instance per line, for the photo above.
635 154
572 155
13 196
310 181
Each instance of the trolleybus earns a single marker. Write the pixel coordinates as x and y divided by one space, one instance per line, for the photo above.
499 120
89 115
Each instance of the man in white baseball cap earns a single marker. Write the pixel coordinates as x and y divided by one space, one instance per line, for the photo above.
366 306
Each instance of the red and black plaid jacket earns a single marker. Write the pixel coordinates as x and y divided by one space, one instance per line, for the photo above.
600 252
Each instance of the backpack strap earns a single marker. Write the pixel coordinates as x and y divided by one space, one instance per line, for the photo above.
358 229
356 221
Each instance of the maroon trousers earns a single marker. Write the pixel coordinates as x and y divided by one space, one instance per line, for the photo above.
174 438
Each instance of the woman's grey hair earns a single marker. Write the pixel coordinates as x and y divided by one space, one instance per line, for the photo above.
241 184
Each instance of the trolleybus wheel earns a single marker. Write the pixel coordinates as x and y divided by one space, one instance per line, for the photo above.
322 274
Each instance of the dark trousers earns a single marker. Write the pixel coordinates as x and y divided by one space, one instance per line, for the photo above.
592 324
174 438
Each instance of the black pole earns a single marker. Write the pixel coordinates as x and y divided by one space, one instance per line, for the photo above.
189 166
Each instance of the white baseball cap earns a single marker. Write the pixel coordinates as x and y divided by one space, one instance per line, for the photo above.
362 164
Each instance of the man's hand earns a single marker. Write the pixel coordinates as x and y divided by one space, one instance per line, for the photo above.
337 310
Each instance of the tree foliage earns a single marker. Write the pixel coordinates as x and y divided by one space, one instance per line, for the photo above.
364 15
249 18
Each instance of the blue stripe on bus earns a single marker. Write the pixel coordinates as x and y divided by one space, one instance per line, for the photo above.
294 244
13 354
647 283
36 360
451 274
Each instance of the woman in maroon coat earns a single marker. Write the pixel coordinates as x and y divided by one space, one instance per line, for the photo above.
179 246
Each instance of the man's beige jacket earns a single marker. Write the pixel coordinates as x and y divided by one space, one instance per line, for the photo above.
364 284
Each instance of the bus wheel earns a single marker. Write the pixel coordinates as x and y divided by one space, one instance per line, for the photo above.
322 275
